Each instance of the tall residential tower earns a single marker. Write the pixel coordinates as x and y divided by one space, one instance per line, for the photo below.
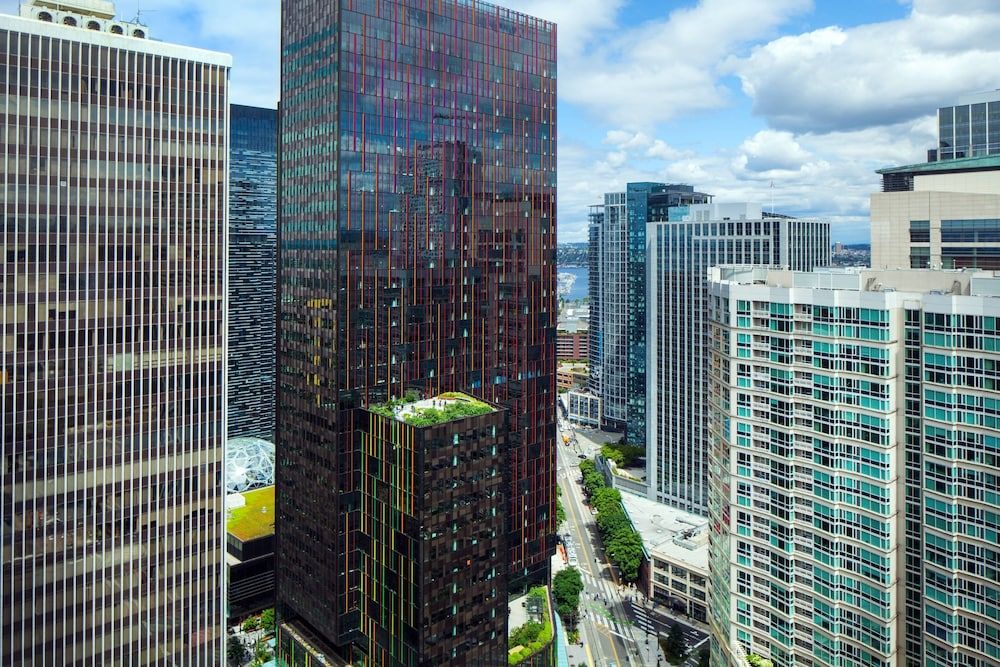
416 256
855 443
618 298
112 373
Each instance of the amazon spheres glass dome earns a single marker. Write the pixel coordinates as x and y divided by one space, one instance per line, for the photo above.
249 464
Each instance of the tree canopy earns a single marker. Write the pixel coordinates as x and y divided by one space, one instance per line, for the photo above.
622 543
566 588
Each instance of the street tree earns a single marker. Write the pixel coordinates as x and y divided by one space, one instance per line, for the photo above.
236 652
674 647
566 588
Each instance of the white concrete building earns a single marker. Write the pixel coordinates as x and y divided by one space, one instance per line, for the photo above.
676 545
938 215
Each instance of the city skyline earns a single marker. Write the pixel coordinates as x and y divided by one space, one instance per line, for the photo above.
736 103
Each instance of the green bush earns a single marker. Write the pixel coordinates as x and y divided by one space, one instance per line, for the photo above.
543 632
526 634
267 620
623 454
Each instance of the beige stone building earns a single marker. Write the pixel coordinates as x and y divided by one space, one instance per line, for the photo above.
938 215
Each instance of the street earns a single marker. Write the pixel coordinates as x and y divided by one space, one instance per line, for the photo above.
618 626
604 627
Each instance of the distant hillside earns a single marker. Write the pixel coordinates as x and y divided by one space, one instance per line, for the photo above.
571 254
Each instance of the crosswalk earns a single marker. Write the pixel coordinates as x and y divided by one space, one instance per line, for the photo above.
597 591
643 619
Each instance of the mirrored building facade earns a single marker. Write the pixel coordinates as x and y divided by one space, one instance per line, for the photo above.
253 201
970 128
416 252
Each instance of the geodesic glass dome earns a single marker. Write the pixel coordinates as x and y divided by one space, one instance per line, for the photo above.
249 464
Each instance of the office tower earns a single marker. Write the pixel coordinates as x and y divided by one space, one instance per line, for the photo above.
618 298
253 200
854 466
416 256
970 128
681 251
595 339
113 376
944 214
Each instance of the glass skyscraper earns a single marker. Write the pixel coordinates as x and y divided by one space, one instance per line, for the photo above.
416 252
681 251
112 371
970 128
253 200
617 233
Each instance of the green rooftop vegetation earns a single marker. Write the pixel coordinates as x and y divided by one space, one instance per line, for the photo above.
530 638
445 407
256 518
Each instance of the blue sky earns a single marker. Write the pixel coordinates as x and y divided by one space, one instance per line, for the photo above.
726 95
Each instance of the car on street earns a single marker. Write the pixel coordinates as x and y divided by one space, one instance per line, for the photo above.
581 456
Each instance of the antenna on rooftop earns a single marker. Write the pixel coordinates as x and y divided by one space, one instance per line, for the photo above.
139 11
772 196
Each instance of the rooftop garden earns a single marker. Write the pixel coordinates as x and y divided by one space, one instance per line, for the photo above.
445 407
256 518
530 638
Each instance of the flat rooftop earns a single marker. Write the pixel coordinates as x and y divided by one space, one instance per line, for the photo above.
913 282
678 535
255 518
445 407
978 163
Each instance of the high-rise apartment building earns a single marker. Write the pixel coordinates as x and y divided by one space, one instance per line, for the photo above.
681 251
854 463
253 196
618 298
114 341
416 253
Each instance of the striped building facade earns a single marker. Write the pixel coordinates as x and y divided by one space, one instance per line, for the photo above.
253 202
112 367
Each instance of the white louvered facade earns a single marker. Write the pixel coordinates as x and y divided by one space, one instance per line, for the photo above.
112 372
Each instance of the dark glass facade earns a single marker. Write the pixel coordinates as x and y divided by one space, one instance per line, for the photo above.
416 251
252 268
969 130
645 202
432 508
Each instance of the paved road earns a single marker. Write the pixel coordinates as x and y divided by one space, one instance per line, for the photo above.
605 628
619 627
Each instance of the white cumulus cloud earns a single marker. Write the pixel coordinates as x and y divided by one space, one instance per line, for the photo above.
835 79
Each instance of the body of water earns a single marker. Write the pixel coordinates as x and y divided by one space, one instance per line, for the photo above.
579 290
